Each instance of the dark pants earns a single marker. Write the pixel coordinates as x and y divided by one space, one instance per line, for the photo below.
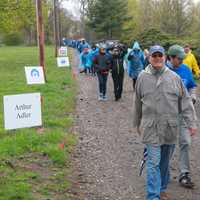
118 84
134 82
102 82
93 70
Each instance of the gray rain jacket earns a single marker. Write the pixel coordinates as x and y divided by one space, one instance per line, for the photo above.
160 100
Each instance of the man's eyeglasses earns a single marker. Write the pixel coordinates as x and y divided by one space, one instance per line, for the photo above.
157 55
180 59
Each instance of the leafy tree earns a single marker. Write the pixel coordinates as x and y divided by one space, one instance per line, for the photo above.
131 26
107 17
175 16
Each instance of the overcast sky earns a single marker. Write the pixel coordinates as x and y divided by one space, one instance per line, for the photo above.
73 6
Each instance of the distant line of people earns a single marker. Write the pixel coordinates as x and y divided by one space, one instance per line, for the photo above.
118 56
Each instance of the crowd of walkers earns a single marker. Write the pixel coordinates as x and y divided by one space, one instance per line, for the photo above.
164 98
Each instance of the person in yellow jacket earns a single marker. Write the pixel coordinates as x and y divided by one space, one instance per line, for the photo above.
191 61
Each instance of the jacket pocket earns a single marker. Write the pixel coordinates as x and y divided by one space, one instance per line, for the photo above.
146 123
171 131
148 132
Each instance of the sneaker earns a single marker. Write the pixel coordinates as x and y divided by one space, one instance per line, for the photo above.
164 196
100 98
105 98
185 181
82 71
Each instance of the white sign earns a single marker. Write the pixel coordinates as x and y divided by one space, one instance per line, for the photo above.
34 75
62 51
21 111
63 61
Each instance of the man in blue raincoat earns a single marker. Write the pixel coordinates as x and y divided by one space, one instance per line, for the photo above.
136 62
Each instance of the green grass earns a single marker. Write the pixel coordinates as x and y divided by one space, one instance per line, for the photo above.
41 147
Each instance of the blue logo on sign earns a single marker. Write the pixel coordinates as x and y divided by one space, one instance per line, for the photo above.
63 61
35 73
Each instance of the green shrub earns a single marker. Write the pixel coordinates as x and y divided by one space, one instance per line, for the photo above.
12 39
152 37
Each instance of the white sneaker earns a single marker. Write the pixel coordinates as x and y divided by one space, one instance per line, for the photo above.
100 98
105 98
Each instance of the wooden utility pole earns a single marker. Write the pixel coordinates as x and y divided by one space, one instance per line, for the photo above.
55 12
59 26
40 33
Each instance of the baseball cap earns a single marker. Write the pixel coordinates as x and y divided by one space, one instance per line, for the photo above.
156 49
176 50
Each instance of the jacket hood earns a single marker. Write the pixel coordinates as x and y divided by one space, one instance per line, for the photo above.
136 46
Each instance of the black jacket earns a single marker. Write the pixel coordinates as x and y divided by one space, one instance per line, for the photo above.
117 65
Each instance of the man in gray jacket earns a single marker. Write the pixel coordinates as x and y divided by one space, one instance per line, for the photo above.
160 98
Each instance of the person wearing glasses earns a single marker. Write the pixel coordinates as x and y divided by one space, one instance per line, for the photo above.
176 55
159 94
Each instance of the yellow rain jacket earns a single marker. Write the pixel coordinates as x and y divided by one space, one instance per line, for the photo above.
191 62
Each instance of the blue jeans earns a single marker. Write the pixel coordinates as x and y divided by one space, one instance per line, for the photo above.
158 174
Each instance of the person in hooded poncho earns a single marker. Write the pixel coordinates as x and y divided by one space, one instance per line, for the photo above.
84 61
82 45
136 62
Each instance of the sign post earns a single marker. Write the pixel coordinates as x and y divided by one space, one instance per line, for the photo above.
40 33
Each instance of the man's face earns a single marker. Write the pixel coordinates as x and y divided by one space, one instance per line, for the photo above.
116 52
102 50
176 61
157 60
187 50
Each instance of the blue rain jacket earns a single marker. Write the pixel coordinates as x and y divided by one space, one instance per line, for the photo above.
84 61
91 56
83 46
186 75
135 61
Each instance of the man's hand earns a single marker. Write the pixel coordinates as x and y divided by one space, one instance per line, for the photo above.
193 101
192 131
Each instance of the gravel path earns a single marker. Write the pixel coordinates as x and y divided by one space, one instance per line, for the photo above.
109 150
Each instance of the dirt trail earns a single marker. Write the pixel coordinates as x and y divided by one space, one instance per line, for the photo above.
109 150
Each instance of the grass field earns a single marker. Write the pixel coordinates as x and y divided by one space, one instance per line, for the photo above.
33 164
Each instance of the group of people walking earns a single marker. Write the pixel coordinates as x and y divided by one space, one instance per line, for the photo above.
164 98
